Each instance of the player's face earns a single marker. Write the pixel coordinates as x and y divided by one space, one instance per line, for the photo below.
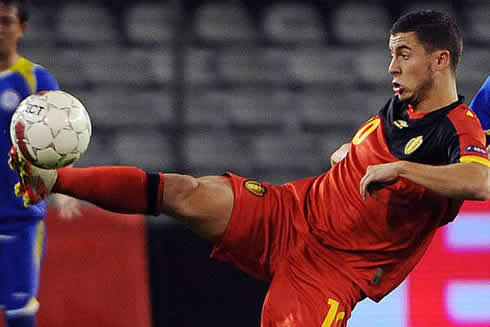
411 68
11 29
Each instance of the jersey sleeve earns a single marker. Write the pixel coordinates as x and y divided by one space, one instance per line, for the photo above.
481 106
45 81
467 144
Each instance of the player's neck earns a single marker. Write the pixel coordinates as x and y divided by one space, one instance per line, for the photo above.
7 60
442 94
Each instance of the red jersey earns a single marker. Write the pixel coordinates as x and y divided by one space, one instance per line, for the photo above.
380 241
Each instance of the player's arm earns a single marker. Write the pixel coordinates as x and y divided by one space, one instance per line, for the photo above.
464 181
465 177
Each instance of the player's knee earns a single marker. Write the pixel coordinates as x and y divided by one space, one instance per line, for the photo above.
20 308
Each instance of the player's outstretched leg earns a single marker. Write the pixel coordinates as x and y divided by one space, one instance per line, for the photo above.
204 204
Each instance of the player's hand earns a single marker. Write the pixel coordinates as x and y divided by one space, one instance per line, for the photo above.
339 154
35 184
377 177
68 207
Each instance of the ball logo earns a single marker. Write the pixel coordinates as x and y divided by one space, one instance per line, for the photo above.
365 130
414 144
34 109
254 187
9 100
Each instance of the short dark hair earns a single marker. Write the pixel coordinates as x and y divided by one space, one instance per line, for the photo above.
436 30
22 6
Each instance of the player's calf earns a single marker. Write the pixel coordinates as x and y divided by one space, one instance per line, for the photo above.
204 204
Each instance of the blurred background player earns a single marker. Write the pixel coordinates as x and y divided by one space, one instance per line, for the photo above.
481 106
327 242
22 230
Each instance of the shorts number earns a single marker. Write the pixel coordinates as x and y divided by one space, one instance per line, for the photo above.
332 315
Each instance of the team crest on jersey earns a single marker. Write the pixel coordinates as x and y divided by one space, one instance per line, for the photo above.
470 114
254 187
400 124
9 100
413 144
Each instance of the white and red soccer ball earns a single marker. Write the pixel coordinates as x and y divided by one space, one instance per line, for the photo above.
51 129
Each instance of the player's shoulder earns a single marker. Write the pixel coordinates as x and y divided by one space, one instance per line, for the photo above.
486 85
24 65
45 80
462 116
39 69
466 127
37 77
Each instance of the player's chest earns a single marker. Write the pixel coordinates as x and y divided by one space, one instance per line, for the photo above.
378 142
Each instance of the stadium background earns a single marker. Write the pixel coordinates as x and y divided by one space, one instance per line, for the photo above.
267 89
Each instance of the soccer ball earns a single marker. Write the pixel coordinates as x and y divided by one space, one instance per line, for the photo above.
51 129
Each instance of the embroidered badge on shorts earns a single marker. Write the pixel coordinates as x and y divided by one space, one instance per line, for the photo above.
254 187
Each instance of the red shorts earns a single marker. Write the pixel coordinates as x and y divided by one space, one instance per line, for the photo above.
268 237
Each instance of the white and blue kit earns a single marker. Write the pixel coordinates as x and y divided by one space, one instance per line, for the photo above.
22 234
481 106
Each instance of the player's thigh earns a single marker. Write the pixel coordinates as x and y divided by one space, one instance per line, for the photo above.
21 252
308 292
262 227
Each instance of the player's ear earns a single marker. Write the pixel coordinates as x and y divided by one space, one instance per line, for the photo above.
23 27
441 60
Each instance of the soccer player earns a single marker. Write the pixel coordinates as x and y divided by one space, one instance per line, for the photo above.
22 229
325 243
